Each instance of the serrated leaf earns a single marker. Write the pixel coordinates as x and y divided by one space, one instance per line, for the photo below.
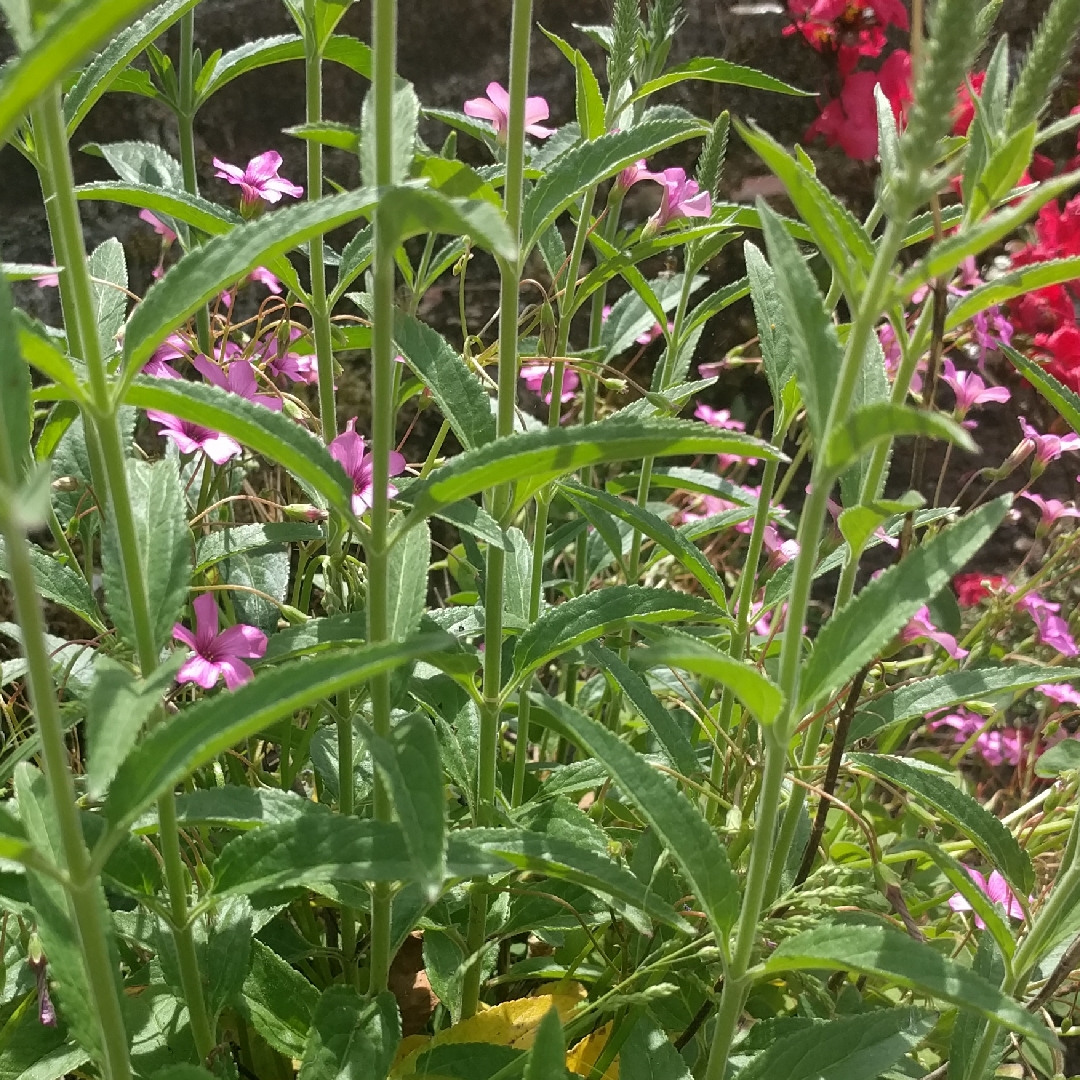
193 210
108 268
214 724
814 343
1008 286
1061 397
351 1037
882 952
547 1058
279 1001
15 385
164 546
457 391
677 823
860 1047
142 163
408 582
769 314
710 69
590 163
406 116
234 539
984 830
1002 172
201 274
591 615
859 631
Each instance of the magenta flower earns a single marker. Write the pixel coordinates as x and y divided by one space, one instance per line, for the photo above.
348 449
1053 629
920 628
970 389
217 655
39 966
995 747
496 108
259 180
291 365
159 226
264 277
193 438
711 369
1050 510
239 379
647 337
635 173
718 418
996 888
47 281
780 551
1048 447
535 376
1062 693
682 199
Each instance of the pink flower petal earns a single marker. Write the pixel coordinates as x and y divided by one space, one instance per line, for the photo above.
199 671
240 640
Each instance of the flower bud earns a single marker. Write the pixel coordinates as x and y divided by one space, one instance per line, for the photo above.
304 512
548 332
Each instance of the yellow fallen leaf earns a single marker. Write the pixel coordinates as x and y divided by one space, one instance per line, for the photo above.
585 1054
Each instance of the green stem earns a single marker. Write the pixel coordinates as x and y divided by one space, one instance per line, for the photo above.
320 314
384 48
509 288
185 119
49 121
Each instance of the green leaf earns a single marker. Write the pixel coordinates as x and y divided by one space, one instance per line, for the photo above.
201 274
1061 397
969 1027
164 545
193 210
141 163
279 1001
771 321
233 540
859 631
213 725
408 582
457 391
590 101
860 1047
268 433
754 690
73 31
984 830
568 860
648 1054
1062 758
1015 283
593 614
327 133
869 425
411 766
924 697
814 343
406 210
591 162
340 49
60 584
117 706
539 457
882 952
32 1051
406 116
710 69
547 1058
99 74
654 527
15 407
109 271
351 1037
681 829
638 693
838 234
946 255
1001 174
318 635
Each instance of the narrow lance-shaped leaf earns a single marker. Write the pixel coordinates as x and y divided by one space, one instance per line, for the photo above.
193 210
882 952
859 631
15 409
985 831
1060 396
677 822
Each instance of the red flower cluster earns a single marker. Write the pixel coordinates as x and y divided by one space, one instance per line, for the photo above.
1048 315
849 31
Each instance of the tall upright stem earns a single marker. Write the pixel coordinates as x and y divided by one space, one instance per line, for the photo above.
49 122
185 119
320 314
384 47
509 288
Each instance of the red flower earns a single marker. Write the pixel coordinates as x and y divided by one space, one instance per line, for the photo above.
971 588
850 121
850 30
1042 311
1063 346
964 112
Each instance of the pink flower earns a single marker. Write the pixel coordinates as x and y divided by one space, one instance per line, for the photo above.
263 276
920 627
1062 693
780 551
718 418
711 369
1048 447
191 438
159 226
47 281
238 379
259 180
995 747
682 199
536 375
1053 629
293 366
635 173
1050 510
996 889
496 108
970 389
647 337
217 655
348 449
